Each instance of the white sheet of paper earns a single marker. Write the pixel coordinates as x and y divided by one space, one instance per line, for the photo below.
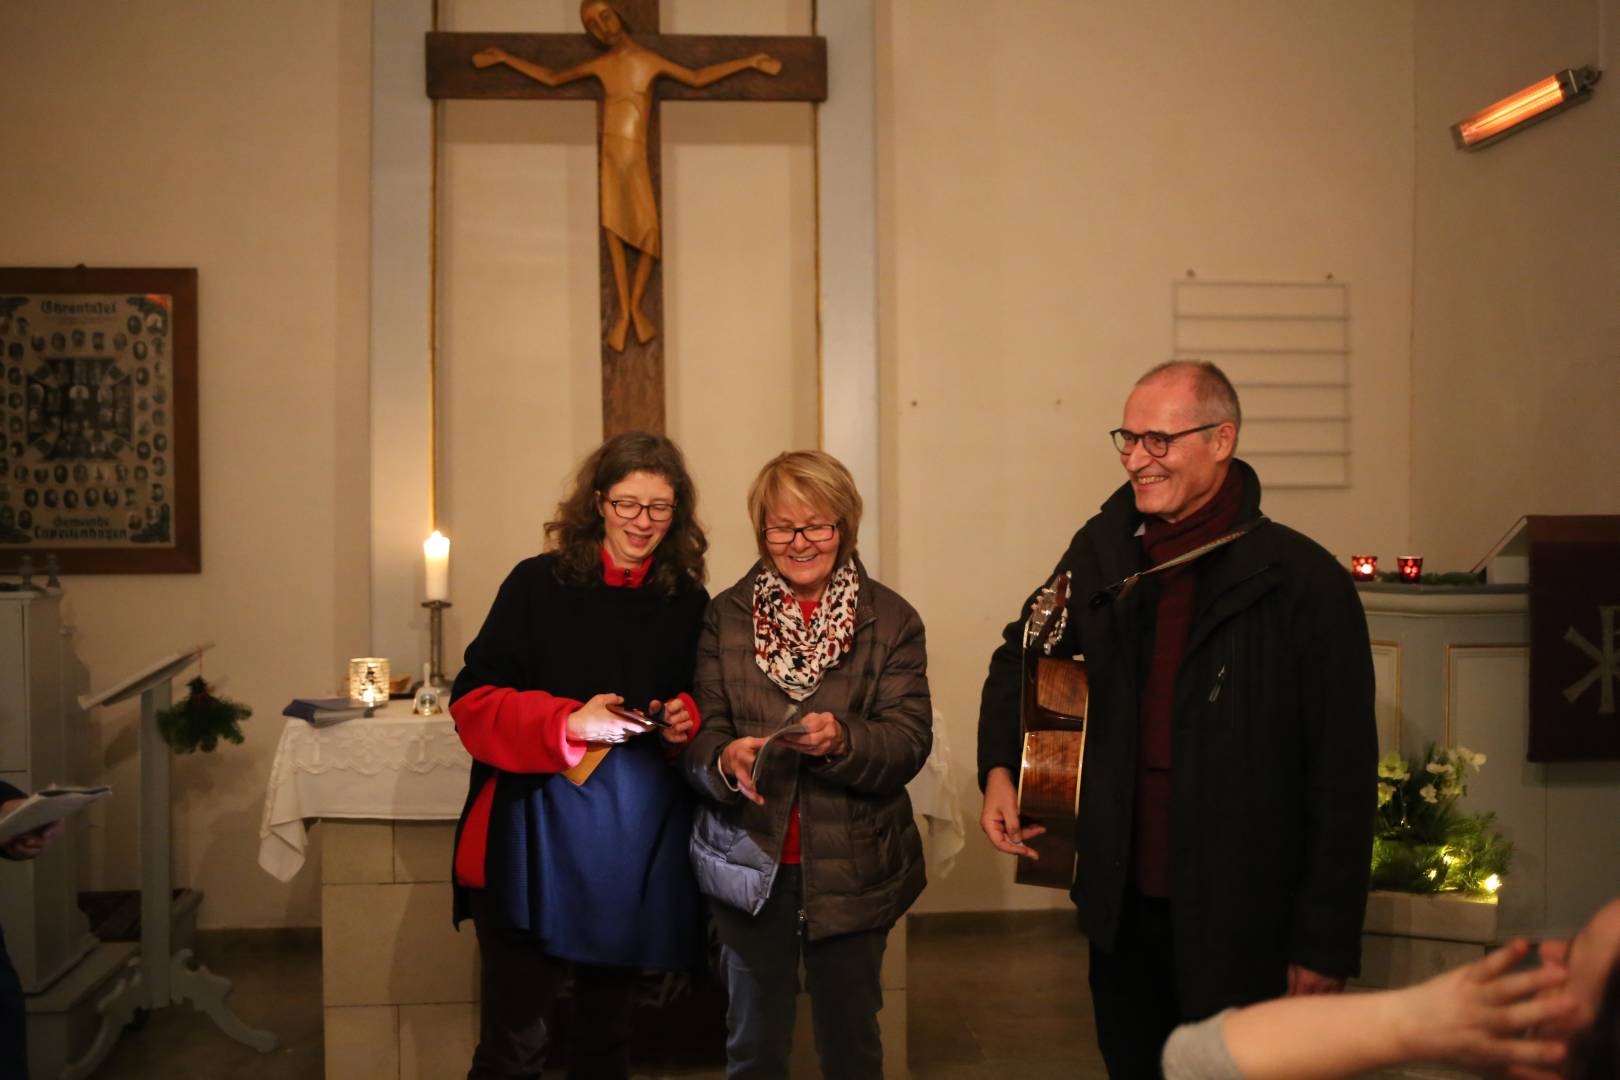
759 759
44 807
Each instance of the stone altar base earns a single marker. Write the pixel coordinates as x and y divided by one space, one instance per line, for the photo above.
399 984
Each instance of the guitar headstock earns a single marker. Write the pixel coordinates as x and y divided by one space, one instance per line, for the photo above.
1049 615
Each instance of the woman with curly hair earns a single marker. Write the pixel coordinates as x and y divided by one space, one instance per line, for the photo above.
571 852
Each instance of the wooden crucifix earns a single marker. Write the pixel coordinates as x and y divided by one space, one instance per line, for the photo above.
628 73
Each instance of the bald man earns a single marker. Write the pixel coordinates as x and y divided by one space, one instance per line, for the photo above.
1224 832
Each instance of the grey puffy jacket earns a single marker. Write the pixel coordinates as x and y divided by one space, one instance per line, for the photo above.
861 855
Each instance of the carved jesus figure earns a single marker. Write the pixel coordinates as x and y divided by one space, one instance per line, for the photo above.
627 73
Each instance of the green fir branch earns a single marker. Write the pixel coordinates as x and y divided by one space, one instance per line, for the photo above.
201 720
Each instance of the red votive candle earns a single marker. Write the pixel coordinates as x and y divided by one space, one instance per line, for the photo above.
1411 567
1364 567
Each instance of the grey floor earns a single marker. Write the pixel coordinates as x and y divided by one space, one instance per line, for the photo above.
275 984
1000 995
989 996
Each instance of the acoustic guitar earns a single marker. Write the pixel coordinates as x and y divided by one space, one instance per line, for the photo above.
1052 716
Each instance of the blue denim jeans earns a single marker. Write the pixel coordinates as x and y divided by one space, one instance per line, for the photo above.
842 974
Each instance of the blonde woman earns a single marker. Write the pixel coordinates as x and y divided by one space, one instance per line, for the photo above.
807 846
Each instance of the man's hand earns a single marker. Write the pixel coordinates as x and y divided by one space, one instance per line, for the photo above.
1302 981
824 737
680 721
999 818
737 763
30 844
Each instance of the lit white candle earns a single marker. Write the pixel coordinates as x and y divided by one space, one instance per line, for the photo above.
437 550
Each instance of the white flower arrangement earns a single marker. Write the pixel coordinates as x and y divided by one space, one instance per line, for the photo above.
1422 843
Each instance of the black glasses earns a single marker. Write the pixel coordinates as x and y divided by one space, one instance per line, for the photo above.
782 535
630 509
1156 442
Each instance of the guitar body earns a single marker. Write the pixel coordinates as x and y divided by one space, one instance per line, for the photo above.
1052 714
1053 706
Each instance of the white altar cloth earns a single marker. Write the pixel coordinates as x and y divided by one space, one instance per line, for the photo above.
934 799
389 766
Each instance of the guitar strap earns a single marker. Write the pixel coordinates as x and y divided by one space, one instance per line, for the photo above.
1122 588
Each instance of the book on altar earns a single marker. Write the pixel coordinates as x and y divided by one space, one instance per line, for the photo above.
323 712
45 806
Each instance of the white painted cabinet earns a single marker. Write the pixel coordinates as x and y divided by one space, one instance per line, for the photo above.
45 932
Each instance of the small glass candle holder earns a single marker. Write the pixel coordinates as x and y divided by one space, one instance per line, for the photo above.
1364 567
427 702
1411 567
368 679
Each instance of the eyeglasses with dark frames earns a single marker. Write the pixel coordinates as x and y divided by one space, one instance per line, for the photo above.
782 535
1157 443
630 509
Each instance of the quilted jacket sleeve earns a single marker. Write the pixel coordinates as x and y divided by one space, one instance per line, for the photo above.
890 739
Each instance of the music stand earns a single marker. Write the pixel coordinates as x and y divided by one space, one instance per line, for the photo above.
158 976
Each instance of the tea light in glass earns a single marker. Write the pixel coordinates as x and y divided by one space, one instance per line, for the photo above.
1364 567
1411 567
368 679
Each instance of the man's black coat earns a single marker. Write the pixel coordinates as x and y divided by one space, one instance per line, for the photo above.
1273 754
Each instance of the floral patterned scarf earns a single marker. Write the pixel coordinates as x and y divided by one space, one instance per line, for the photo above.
792 653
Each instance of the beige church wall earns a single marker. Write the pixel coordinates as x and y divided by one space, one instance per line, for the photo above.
1515 343
231 138
519 386
1516 314
1046 173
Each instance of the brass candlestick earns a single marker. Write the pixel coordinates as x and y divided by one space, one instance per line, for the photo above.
436 642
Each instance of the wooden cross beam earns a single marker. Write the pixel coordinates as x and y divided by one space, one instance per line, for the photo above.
628 67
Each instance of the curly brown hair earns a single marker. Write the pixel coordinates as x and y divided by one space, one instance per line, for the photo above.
575 533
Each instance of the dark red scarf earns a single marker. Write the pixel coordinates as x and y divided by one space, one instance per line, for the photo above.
1178 591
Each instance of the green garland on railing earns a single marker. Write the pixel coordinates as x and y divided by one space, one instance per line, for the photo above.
201 720
1450 577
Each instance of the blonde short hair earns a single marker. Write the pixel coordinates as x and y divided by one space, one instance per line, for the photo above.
814 478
